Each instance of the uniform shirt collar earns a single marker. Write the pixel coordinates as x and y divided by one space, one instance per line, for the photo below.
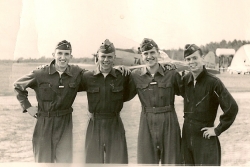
145 71
98 71
52 69
191 78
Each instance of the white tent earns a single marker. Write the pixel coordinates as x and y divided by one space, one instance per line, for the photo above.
241 60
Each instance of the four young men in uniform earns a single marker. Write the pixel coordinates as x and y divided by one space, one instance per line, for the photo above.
159 132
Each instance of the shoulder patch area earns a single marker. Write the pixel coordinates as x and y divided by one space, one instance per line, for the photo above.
212 76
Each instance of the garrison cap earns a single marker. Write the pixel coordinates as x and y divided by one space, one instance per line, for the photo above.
147 44
64 45
190 49
106 47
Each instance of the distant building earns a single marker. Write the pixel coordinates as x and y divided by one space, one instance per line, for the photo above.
209 60
225 57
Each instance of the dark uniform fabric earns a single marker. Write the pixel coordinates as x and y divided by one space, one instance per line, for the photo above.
159 130
52 138
200 108
105 137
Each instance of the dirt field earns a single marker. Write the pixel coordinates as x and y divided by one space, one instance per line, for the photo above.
16 128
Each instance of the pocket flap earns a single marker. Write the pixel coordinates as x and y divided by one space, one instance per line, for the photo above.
93 90
164 85
117 89
72 85
44 85
141 86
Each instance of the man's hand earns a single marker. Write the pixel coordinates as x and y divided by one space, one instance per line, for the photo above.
168 66
32 111
41 66
208 132
125 71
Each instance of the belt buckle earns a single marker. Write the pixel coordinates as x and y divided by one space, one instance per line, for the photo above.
154 111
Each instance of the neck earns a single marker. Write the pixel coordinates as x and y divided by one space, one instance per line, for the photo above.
105 70
153 69
60 69
196 73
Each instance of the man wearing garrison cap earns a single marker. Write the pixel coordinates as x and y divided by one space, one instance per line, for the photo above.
56 87
159 130
203 94
107 89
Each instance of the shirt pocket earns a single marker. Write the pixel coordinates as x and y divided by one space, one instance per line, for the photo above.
93 94
46 93
117 93
72 91
165 91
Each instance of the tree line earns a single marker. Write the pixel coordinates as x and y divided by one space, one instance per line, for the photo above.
176 54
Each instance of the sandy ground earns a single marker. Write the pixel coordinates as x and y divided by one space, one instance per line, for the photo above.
16 130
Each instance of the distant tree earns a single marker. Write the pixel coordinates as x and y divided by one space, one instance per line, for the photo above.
19 60
223 44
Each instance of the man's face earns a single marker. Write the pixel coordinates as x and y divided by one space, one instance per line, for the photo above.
195 61
106 60
62 58
150 57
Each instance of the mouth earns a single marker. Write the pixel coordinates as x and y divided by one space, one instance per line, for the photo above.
106 64
150 59
63 61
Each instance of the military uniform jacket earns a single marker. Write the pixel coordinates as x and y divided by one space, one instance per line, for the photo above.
52 92
107 94
201 100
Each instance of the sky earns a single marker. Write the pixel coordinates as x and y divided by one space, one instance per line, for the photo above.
32 28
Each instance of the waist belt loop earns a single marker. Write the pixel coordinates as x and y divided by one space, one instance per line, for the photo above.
157 110
98 115
55 113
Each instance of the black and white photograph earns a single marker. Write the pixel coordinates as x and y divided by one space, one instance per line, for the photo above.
124 83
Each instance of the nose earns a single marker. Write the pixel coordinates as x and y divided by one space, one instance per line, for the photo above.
63 56
149 55
106 59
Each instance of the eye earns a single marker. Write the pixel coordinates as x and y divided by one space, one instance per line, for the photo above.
59 53
188 59
194 58
145 54
152 52
66 54
110 57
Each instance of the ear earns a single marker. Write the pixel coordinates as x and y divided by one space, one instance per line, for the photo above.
53 54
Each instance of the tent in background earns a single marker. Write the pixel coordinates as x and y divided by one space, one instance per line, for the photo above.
241 61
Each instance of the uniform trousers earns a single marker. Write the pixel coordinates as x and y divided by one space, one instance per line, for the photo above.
105 140
196 149
52 139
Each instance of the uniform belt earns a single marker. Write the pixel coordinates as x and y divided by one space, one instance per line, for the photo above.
104 115
197 122
55 113
157 110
